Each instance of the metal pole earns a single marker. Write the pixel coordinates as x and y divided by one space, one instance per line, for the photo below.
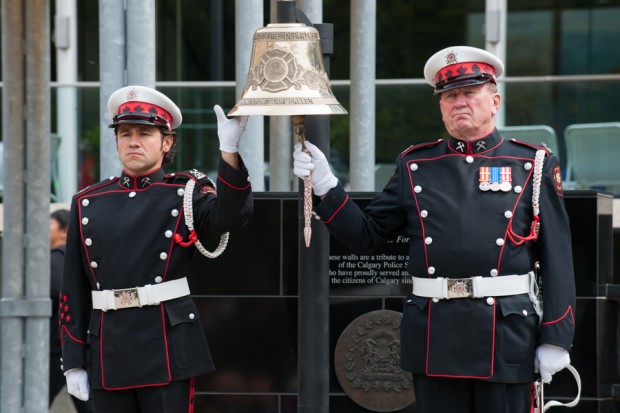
362 120
313 270
112 76
66 97
249 18
140 35
495 42
39 307
280 141
12 326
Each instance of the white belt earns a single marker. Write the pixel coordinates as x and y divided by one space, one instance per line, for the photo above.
474 287
151 294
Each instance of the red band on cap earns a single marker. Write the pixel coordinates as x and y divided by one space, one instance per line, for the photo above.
453 72
146 110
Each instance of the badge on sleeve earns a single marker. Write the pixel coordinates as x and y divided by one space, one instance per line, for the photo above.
557 178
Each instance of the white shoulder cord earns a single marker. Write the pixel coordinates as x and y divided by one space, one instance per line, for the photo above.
538 165
539 159
188 212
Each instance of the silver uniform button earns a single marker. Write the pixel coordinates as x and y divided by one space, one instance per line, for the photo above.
174 212
525 313
191 316
499 242
163 256
85 202
428 240
248 179
84 221
518 189
508 214
88 242
112 178
132 194
180 191
424 213
527 166
168 234
490 301
469 159
435 300
413 167
494 272
417 189
158 279
94 264
431 270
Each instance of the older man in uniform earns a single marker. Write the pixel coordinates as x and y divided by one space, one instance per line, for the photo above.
126 314
485 217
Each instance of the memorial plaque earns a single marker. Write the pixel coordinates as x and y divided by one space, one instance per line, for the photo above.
367 362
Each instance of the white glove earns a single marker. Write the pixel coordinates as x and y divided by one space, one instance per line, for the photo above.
229 130
314 164
549 360
77 383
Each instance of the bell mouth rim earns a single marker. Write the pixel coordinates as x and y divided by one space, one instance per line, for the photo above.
284 110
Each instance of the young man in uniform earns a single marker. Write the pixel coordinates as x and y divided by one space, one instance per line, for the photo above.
485 217
132 340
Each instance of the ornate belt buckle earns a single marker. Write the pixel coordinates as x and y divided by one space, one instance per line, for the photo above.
460 288
126 298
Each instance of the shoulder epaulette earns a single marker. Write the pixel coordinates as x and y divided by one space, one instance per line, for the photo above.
97 185
532 145
420 146
194 174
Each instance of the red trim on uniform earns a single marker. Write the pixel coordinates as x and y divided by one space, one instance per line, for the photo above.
532 396
569 311
65 329
337 210
192 394
219 178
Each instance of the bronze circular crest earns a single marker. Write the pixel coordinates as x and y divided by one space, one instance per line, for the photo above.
367 362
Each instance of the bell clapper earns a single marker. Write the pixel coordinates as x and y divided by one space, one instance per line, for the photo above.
298 127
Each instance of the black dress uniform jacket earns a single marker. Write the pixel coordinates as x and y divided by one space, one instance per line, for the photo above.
127 232
457 230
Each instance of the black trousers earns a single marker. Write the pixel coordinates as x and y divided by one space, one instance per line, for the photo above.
447 395
176 397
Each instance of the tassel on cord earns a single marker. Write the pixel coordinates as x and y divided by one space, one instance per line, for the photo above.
191 239
535 228
532 236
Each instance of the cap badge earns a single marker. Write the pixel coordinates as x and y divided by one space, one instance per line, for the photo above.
132 95
451 58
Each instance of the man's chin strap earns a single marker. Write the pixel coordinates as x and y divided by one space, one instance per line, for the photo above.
540 401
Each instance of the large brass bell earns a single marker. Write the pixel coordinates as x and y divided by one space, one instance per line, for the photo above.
286 75
287 78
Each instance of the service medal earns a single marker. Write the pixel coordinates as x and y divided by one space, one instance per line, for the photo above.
505 178
484 178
